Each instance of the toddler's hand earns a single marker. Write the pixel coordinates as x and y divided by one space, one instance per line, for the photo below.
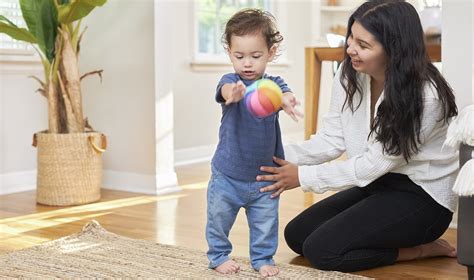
289 103
237 92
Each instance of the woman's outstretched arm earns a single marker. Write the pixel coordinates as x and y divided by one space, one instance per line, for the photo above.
328 143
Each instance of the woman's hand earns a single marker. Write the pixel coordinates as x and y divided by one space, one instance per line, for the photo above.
289 104
285 177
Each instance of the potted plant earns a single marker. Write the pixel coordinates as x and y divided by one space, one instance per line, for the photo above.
69 151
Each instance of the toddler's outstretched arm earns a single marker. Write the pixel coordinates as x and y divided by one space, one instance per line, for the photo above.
289 104
233 92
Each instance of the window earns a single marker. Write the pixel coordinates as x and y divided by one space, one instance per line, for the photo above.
8 46
211 16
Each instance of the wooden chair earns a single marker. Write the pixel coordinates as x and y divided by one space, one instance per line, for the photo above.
313 60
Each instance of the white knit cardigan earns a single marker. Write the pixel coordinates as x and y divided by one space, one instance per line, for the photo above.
433 168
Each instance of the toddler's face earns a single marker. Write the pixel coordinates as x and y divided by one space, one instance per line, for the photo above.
249 55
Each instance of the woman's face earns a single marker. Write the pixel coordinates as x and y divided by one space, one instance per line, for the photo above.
366 53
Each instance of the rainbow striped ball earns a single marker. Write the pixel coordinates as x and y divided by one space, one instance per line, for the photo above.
263 98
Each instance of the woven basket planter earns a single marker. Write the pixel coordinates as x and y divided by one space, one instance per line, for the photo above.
69 167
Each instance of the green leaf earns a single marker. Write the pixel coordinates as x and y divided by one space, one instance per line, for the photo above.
29 10
4 19
16 32
76 10
41 17
48 29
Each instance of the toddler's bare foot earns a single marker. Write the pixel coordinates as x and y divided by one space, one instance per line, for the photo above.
228 267
439 247
268 270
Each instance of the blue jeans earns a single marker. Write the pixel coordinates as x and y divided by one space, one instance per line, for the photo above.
225 197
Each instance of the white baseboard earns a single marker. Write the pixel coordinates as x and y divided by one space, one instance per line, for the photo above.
453 224
140 183
114 180
17 182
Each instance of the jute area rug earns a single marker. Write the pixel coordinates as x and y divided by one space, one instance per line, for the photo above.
97 253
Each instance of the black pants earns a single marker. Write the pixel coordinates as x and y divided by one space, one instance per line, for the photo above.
362 228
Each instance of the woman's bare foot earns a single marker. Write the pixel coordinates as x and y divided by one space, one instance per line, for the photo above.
437 248
268 270
228 267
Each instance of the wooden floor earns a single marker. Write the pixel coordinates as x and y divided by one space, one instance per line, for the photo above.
177 219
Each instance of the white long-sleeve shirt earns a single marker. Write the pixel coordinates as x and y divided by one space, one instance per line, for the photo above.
433 168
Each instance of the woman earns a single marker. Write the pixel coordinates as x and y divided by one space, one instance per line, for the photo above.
389 112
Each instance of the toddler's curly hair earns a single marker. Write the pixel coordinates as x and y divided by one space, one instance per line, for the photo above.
252 21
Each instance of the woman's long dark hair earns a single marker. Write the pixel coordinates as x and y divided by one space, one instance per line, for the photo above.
397 124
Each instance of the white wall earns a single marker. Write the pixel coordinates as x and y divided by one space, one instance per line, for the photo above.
130 106
121 41
22 113
29 107
458 52
458 48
